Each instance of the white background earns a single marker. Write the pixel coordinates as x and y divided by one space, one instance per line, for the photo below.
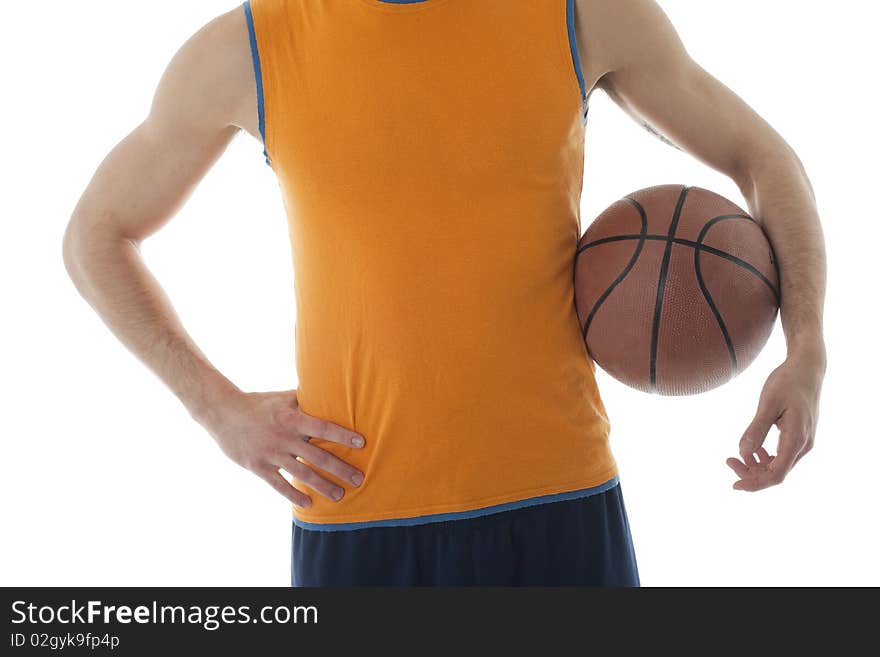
105 480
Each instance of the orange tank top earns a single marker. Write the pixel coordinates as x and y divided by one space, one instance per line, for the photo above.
430 157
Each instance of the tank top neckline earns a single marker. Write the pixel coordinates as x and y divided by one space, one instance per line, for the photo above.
403 5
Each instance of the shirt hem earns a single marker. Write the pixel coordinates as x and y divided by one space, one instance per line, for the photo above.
484 507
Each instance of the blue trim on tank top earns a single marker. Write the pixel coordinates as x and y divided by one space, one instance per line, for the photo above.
258 74
575 56
460 515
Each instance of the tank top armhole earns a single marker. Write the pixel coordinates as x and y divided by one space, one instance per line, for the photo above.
575 55
258 76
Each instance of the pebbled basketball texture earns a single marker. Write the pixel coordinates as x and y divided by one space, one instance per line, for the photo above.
677 290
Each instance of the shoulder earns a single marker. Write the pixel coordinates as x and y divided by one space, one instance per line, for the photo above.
211 76
615 34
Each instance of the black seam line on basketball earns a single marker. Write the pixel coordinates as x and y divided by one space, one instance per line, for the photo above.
701 247
621 238
643 216
731 350
661 286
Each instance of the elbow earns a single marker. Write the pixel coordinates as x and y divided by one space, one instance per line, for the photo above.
72 250
90 248
83 247
770 164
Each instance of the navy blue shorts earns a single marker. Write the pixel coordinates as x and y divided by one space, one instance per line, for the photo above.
580 542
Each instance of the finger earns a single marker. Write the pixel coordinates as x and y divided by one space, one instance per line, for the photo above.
757 431
303 473
749 485
324 460
739 468
280 484
806 450
764 457
792 440
306 425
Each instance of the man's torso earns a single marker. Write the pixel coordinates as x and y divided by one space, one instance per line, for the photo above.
430 158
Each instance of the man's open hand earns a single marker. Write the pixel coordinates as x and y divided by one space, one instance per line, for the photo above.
790 400
268 432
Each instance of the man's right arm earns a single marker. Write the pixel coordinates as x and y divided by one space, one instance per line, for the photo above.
206 95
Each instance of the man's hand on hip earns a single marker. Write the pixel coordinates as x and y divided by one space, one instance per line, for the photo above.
268 432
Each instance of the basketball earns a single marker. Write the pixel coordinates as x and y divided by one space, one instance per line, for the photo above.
677 290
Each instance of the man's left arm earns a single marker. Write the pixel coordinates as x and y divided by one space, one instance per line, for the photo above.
631 51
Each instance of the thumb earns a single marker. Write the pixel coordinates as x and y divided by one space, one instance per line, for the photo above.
287 414
289 400
756 433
